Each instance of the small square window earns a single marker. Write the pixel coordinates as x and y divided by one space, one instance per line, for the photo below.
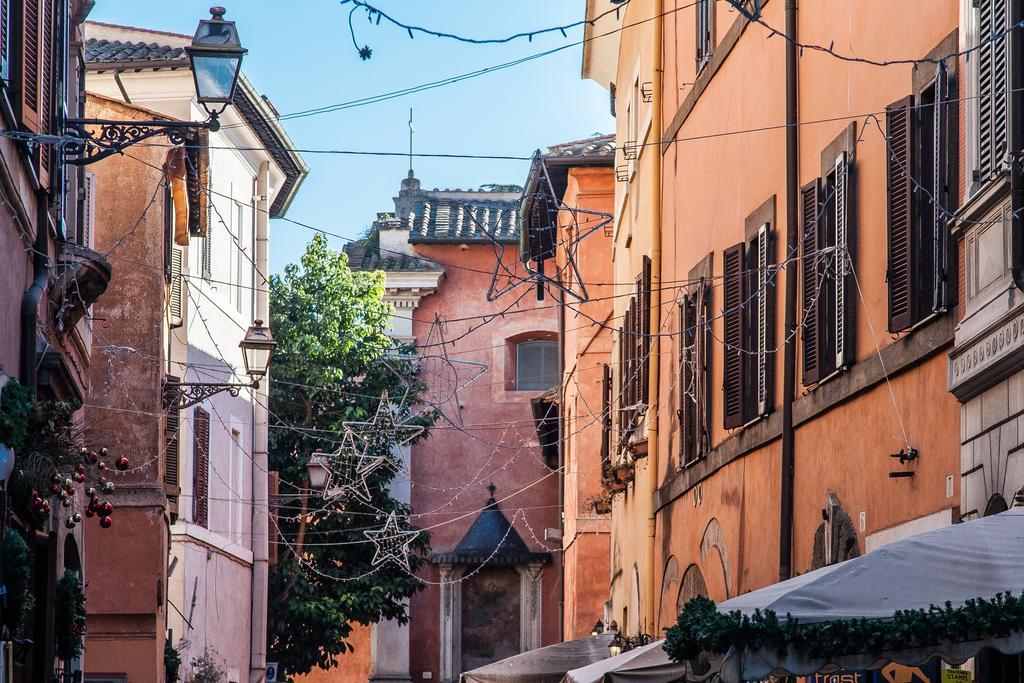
536 365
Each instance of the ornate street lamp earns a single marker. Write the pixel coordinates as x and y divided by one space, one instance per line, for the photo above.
317 471
215 57
598 628
616 645
257 346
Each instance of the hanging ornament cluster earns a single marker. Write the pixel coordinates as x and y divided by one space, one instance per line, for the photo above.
90 470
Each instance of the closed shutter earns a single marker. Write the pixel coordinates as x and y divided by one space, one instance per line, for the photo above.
171 451
842 258
176 293
201 467
940 182
900 213
46 87
764 335
734 298
702 368
29 97
992 64
5 40
811 285
207 255
961 279
703 33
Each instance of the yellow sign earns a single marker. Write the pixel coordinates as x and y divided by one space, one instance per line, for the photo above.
956 676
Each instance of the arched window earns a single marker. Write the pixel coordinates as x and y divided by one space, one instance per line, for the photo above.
536 365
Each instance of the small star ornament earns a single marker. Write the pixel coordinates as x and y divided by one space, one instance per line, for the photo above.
380 435
345 479
392 544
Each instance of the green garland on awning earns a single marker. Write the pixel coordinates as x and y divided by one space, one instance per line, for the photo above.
702 628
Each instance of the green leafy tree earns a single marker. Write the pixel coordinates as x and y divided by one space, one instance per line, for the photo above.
330 367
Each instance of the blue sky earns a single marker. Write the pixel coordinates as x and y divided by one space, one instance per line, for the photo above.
301 56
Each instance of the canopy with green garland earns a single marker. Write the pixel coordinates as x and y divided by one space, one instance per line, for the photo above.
946 593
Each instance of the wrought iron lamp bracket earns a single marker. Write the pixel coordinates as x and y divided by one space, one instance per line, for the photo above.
92 140
181 395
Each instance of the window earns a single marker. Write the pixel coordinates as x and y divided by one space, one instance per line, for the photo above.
240 254
201 467
921 179
33 77
536 365
606 413
992 85
748 315
207 253
825 265
171 426
694 402
705 31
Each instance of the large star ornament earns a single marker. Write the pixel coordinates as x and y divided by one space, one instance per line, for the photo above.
380 435
392 544
345 481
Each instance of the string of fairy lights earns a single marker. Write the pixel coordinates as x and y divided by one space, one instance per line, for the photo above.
390 540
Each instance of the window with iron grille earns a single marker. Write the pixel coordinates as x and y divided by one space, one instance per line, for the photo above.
826 257
748 320
705 31
694 336
536 365
921 173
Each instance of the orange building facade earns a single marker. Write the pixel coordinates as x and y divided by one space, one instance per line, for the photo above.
720 219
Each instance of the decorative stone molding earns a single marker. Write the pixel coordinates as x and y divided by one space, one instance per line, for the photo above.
530 607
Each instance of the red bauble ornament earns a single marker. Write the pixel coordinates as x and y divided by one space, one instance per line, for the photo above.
80 469
107 509
105 522
37 502
90 513
95 503
55 489
122 463
93 457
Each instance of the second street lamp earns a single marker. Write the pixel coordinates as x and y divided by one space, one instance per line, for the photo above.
257 346
216 59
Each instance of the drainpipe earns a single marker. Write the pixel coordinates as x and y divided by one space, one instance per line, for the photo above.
561 455
34 294
260 435
1017 144
655 357
792 243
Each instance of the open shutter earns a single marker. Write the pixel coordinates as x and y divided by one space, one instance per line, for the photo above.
811 285
763 337
992 64
176 293
47 56
940 191
687 374
5 40
734 300
171 452
88 209
29 96
645 332
899 118
201 466
606 415
841 258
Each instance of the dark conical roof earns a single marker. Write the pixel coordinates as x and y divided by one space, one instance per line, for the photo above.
491 539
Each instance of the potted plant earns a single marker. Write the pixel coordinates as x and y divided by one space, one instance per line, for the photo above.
602 503
69 616
624 472
172 661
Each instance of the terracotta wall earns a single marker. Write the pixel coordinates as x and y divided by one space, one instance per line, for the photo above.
126 606
451 469
352 668
587 348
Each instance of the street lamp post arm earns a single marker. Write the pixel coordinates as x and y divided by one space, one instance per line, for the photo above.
181 395
98 139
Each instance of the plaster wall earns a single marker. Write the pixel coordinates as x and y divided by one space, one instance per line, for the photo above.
451 469
722 515
587 348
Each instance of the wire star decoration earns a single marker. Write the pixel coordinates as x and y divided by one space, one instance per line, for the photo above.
391 543
345 480
380 435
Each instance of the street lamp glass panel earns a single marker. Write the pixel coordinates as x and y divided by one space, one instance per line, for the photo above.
215 76
256 349
317 470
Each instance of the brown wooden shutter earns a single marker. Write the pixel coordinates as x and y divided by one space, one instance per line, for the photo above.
645 332
762 335
606 412
702 368
733 313
811 289
843 257
687 395
30 77
936 297
5 40
201 467
273 491
47 55
899 118
171 451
